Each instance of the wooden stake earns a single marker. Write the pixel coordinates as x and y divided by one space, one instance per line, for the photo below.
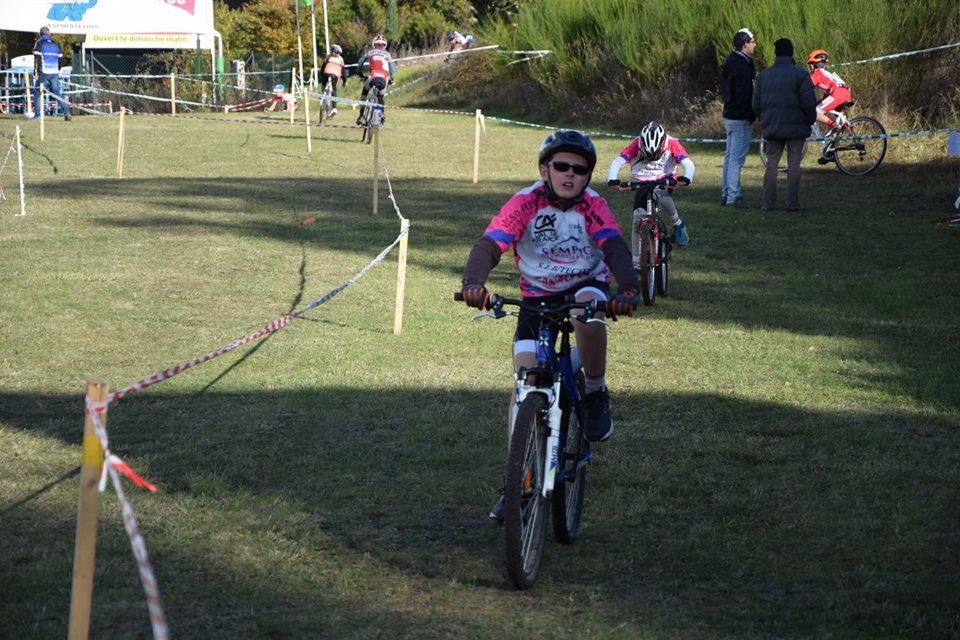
401 277
43 111
29 90
306 118
376 170
476 151
173 94
293 91
84 551
121 142
23 202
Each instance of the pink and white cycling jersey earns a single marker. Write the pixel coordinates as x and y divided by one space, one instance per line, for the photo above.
654 169
554 250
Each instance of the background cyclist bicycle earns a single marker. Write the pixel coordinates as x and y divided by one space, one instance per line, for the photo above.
836 91
382 70
334 70
654 155
565 241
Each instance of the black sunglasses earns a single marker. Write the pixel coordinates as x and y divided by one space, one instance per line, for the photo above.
563 167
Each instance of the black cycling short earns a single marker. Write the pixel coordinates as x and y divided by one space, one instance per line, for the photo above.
528 322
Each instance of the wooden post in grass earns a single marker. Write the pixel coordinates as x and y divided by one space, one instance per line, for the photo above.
26 88
293 92
43 110
476 151
173 93
401 276
306 117
376 169
81 595
120 145
23 202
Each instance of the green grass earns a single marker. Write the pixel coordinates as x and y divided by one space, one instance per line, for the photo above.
785 464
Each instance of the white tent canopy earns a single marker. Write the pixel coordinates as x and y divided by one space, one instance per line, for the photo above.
109 16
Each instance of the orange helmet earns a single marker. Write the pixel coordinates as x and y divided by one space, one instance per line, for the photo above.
818 55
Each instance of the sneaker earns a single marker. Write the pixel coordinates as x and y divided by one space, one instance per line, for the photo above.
333 112
599 426
359 119
499 510
955 220
68 118
680 234
29 116
824 159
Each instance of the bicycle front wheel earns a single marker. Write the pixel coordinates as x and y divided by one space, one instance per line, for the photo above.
663 267
567 496
861 147
525 516
647 270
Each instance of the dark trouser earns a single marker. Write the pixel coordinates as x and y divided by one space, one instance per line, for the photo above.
333 82
51 82
774 150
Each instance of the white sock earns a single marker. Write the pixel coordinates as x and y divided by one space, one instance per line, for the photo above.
593 384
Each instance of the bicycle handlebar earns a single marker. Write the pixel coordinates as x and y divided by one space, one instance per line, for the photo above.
643 184
590 307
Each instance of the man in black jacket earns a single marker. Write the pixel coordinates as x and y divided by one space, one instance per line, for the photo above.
736 89
787 105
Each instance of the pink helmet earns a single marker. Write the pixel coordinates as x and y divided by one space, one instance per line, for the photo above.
379 41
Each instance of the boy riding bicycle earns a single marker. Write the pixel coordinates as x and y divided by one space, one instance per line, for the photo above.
654 155
565 242
836 91
382 71
334 70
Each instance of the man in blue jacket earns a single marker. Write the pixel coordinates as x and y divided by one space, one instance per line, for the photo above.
736 89
47 56
787 105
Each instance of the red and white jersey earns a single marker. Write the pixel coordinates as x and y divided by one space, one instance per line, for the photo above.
380 62
666 165
826 81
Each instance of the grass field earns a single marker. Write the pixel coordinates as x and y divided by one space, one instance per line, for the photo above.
786 463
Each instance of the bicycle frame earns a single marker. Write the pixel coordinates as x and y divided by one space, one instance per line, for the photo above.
555 372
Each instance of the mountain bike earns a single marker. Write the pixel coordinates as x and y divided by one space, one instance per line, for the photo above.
371 116
327 105
653 262
548 454
856 145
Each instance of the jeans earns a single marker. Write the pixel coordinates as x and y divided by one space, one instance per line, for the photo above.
794 156
51 81
738 143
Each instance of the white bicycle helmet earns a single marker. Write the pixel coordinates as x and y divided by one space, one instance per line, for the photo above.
379 41
653 139
335 48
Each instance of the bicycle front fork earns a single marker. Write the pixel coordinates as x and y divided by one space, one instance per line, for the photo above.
552 453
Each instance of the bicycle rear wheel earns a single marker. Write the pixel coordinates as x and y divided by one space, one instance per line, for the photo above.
647 270
525 516
567 496
860 149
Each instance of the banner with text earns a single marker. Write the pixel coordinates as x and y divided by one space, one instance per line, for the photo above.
108 16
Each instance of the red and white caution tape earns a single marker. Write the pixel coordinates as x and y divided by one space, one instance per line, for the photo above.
111 466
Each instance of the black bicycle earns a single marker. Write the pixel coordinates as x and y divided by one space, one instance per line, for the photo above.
548 454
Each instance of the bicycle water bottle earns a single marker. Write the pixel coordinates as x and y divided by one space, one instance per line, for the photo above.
377 115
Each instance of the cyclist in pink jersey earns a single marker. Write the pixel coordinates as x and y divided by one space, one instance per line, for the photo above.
381 72
565 242
654 155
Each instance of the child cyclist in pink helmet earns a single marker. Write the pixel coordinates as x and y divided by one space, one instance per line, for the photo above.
654 155
565 242
381 70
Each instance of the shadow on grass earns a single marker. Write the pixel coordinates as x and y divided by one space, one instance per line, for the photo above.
316 513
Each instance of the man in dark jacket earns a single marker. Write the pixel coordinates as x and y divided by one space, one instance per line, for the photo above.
787 105
47 56
736 89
